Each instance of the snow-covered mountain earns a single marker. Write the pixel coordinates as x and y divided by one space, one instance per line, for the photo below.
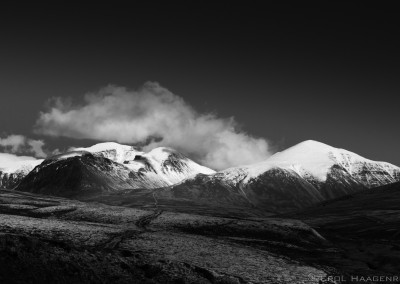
300 176
110 167
117 152
162 163
314 160
14 168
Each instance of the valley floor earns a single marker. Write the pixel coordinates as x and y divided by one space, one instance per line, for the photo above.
55 240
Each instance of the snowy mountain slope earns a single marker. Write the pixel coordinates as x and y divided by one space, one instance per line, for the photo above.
113 151
273 191
316 159
160 163
298 177
302 175
79 173
14 168
109 167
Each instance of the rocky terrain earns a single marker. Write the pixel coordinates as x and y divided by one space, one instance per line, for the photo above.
55 240
365 226
10 180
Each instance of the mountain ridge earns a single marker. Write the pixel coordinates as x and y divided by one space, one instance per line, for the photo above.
300 176
305 174
109 167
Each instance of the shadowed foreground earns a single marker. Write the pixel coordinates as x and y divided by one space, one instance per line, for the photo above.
54 240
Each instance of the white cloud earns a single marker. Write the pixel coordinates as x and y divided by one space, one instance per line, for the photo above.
36 147
13 142
156 117
19 144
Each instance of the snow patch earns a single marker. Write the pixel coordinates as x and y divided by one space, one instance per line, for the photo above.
68 155
117 152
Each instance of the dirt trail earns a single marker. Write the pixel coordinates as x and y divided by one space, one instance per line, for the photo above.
140 228
144 221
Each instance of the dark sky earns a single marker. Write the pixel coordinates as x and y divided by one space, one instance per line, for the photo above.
289 73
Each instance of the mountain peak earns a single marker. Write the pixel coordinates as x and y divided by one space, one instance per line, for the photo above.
104 146
314 158
67 155
113 151
306 151
312 143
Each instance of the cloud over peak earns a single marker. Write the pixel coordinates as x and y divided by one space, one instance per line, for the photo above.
153 116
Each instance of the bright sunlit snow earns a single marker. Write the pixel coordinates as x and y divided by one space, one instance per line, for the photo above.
10 163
